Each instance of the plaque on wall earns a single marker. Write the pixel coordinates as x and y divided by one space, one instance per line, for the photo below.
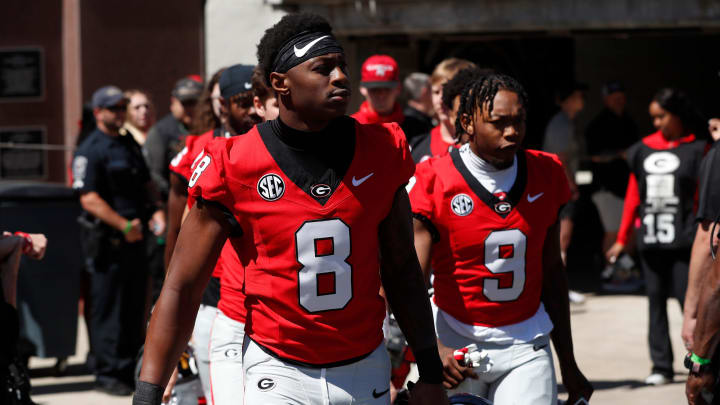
22 156
21 74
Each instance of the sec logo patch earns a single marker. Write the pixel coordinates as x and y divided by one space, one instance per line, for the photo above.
461 205
271 187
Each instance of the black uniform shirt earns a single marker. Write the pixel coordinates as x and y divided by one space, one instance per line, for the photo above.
709 186
113 167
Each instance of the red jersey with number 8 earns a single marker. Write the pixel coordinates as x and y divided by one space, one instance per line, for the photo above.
311 274
487 255
184 165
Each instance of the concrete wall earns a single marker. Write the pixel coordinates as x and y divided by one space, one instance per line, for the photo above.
232 30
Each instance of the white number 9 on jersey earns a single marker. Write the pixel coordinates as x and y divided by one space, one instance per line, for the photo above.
505 253
325 280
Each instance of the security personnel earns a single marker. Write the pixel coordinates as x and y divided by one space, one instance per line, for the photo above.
118 198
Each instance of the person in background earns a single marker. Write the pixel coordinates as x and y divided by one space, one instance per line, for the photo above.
139 118
442 137
708 212
661 198
264 98
380 86
561 139
419 109
451 91
119 205
140 115
560 133
14 379
207 111
208 118
607 137
164 138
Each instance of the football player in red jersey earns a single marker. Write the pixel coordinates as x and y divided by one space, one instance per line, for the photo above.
486 219
325 217
238 115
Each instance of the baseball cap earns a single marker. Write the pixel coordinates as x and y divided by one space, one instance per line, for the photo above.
187 89
235 80
107 96
612 87
379 71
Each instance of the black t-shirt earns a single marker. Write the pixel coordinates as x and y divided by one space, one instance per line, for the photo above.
667 184
709 186
113 167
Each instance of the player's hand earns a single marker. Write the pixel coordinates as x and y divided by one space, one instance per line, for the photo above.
614 252
39 244
714 128
171 384
688 328
695 386
453 372
428 394
135 233
577 386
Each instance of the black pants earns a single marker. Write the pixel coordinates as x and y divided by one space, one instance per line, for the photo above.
666 275
115 311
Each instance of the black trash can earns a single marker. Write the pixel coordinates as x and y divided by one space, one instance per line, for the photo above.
48 290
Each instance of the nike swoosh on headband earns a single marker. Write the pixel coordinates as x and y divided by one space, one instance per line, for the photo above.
302 51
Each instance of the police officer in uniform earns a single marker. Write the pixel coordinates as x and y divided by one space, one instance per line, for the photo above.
119 205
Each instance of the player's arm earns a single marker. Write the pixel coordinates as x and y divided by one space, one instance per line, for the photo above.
198 247
700 266
423 246
177 199
555 299
406 292
706 336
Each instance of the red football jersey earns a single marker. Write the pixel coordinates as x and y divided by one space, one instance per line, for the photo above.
183 164
311 270
487 258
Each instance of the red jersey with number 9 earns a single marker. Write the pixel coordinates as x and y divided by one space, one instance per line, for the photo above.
184 165
311 270
487 258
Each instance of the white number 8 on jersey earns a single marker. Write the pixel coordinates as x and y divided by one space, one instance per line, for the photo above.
325 280
204 163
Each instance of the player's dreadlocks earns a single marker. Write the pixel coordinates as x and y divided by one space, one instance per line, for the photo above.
276 36
482 92
455 86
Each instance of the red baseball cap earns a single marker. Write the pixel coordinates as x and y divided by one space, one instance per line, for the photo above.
379 71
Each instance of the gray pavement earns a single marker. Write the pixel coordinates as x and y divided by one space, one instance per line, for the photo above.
610 346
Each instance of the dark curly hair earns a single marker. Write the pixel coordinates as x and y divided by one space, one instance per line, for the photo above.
276 36
455 86
205 119
484 90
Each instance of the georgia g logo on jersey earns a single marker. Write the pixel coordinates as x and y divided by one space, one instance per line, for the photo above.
271 187
661 163
320 190
461 205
